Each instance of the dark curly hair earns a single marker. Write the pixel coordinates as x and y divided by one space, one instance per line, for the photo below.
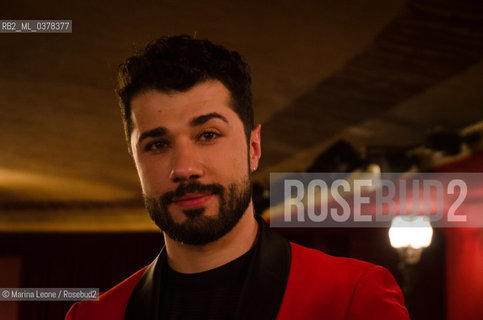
177 64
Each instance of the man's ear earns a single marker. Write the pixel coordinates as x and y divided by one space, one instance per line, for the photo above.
255 147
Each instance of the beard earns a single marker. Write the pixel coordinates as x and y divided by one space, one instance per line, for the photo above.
199 229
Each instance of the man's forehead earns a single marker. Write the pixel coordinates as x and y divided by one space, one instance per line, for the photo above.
198 99
153 108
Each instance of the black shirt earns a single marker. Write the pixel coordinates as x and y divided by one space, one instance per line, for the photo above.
212 294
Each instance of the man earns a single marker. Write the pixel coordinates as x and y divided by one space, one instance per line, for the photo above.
188 118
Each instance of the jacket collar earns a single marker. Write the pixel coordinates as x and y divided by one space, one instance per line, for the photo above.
262 292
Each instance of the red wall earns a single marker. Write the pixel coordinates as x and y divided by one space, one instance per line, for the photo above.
464 258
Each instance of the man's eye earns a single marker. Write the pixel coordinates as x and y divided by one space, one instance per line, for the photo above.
156 146
208 136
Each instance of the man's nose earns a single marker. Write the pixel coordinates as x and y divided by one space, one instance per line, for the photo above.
185 164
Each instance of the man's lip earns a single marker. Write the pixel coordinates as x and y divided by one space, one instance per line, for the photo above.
192 199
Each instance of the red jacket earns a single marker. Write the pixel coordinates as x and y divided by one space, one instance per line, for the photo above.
318 286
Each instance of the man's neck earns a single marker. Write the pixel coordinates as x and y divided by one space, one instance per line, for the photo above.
198 258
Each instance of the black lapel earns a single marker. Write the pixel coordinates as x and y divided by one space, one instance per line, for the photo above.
144 301
267 276
262 292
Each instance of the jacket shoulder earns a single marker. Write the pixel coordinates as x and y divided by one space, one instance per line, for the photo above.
111 304
342 273
339 288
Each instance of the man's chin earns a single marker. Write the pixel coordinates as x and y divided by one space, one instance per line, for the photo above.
195 213
181 216
196 230
198 226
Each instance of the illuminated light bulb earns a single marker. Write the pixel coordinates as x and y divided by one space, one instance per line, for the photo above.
410 231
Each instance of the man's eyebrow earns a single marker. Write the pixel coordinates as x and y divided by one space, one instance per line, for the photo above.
162 131
153 133
206 117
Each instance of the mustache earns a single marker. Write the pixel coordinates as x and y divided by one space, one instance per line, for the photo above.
191 187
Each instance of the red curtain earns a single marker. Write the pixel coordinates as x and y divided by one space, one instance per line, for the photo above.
464 258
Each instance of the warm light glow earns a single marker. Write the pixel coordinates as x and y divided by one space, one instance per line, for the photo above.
410 231
37 186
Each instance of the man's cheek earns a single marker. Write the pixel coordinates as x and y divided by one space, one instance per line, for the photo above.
151 184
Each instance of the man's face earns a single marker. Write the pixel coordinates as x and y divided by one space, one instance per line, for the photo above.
193 160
